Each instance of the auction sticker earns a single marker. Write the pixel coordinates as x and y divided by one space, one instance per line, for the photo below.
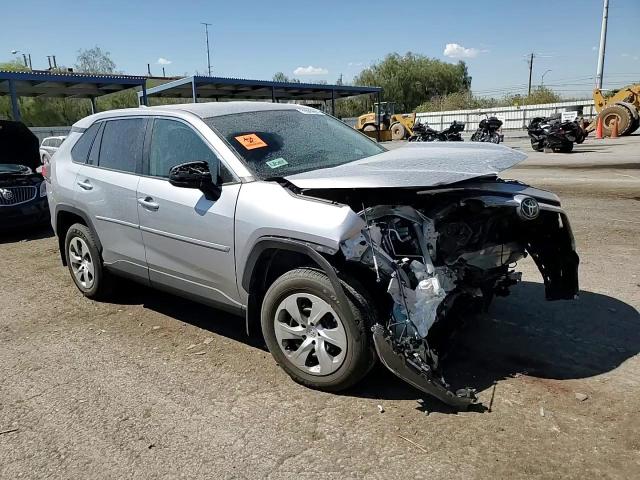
277 162
250 141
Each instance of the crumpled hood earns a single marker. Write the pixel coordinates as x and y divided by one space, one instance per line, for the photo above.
414 165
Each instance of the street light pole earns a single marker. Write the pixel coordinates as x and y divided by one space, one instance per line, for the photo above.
206 29
603 42
542 80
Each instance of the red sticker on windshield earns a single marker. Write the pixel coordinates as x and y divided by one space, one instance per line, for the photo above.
250 141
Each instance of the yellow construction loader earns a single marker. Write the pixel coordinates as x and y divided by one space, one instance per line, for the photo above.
384 124
622 107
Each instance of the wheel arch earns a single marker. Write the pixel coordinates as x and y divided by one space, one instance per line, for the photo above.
271 257
67 215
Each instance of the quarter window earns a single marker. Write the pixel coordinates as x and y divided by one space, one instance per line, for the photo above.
122 142
80 150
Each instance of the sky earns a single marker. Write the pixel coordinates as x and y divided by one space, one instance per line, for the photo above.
321 40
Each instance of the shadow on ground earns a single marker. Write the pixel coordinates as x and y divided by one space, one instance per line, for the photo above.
26 234
522 333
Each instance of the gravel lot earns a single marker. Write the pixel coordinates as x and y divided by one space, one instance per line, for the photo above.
153 386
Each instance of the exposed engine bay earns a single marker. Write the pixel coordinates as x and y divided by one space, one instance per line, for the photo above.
445 256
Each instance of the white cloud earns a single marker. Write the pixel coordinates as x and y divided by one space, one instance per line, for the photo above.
310 70
628 55
356 64
453 50
164 61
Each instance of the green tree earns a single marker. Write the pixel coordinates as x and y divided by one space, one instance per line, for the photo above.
13 66
94 60
281 77
412 79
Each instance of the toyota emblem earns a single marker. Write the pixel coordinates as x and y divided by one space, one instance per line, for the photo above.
529 208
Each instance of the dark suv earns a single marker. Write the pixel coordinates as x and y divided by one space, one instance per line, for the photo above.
23 193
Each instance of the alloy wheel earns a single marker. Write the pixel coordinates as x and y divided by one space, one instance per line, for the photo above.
81 262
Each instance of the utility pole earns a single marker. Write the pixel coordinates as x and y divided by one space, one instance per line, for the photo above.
206 29
530 72
603 42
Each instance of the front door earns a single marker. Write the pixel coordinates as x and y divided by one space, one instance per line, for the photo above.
189 240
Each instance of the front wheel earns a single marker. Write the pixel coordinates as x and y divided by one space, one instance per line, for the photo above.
315 341
537 145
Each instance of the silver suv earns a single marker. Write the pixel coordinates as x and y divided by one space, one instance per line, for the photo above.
342 251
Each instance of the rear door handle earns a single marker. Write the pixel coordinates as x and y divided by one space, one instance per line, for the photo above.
148 203
85 185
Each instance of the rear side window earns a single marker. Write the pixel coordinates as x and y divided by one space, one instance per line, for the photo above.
80 150
122 142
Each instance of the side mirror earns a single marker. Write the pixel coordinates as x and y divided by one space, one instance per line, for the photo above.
195 175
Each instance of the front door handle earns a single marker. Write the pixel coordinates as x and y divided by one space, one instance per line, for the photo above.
148 203
85 185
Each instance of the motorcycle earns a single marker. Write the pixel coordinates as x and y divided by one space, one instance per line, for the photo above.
424 133
488 131
551 133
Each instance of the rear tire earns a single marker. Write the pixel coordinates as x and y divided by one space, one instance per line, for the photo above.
85 262
565 148
288 306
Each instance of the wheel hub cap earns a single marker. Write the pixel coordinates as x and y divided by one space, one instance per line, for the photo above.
310 334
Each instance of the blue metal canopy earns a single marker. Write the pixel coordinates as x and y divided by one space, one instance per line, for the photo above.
63 85
239 88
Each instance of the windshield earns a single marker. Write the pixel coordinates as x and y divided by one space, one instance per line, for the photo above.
278 143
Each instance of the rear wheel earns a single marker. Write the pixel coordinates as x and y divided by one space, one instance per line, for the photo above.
565 148
85 263
310 337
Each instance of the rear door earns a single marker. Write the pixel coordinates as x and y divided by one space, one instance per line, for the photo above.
189 239
106 189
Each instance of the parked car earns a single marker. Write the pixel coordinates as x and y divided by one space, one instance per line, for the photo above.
23 191
339 249
49 146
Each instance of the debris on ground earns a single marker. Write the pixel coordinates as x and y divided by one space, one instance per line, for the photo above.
581 397
200 353
542 411
208 340
192 346
414 443
380 408
156 327
11 430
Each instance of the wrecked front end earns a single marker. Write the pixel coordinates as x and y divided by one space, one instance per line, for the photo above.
443 254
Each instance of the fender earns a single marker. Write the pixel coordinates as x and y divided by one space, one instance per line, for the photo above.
266 243
70 209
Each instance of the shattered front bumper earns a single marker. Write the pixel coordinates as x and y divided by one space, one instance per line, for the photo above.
418 374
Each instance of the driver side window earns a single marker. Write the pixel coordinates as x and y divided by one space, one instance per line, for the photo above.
173 143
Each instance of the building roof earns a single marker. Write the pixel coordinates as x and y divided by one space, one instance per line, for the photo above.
240 88
39 83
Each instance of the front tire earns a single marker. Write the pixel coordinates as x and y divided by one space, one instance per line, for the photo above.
308 334
538 146
85 263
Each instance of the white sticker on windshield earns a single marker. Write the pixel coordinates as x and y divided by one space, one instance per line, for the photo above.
309 111
277 162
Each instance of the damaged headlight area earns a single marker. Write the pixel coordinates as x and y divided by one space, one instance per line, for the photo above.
447 260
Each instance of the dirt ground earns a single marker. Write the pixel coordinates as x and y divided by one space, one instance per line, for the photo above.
153 386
